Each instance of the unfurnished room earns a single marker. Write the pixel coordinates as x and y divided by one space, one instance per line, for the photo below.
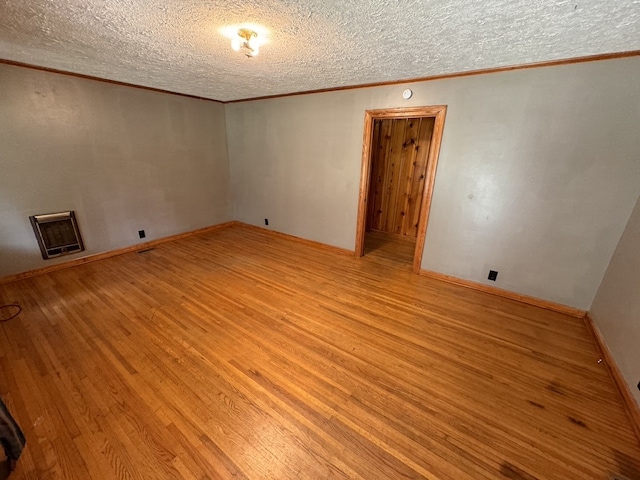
320 240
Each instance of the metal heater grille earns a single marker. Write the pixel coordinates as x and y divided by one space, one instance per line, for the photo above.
57 234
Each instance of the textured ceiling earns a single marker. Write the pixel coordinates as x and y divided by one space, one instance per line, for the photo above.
178 46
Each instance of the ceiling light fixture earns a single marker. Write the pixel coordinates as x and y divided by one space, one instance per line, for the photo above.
248 40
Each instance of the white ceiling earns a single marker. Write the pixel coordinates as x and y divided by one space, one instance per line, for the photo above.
177 45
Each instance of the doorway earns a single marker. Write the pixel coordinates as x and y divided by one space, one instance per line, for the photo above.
400 153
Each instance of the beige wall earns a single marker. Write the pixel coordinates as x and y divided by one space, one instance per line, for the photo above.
538 171
124 159
616 308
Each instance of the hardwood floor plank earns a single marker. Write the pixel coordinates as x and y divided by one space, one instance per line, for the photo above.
237 354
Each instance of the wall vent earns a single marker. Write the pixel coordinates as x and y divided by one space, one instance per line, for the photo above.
57 234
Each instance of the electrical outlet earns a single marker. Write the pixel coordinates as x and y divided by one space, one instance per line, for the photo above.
141 233
266 221
493 275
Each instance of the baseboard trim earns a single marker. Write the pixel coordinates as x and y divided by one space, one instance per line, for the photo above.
537 302
112 253
632 407
304 241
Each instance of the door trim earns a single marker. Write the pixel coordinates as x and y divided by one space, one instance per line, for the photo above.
439 113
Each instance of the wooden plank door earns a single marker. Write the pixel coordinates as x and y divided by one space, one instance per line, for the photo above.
400 150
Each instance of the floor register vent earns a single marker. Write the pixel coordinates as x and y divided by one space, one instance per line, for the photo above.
57 234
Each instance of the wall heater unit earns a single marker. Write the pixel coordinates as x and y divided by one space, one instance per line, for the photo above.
57 234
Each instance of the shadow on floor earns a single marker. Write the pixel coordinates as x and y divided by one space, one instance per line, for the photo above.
389 247
628 467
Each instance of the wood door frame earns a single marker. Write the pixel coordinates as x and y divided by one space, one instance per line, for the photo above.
438 112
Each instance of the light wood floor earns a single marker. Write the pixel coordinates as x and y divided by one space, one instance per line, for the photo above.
397 249
235 354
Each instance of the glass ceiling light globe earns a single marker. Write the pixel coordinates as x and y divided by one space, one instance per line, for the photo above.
236 43
254 44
